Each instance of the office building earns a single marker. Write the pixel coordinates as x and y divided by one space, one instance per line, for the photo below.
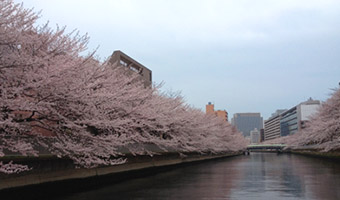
288 122
294 119
246 122
272 128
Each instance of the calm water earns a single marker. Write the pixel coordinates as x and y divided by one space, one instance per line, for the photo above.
257 176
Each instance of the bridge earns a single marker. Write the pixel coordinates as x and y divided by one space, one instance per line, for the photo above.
265 147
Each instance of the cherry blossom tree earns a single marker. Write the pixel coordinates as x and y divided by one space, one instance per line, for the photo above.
93 113
30 59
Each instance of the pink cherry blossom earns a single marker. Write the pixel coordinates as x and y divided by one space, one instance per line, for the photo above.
52 99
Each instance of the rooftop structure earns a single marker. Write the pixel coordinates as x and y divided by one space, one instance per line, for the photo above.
122 60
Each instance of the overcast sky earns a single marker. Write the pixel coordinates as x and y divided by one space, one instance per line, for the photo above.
242 55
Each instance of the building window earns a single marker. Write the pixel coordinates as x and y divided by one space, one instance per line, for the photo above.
123 63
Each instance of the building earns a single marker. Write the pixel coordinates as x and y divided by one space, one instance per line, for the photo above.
255 136
122 60
272 128
223 114
246 122
288 122
261 135
294 119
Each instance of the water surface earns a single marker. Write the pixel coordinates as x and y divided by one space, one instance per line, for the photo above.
257 176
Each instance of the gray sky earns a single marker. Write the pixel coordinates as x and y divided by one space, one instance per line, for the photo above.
242 55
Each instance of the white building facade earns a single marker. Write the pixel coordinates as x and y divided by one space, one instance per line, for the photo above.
255 136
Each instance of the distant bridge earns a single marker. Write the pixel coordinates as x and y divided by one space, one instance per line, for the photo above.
265 147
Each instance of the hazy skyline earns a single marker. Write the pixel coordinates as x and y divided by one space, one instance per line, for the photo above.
244 56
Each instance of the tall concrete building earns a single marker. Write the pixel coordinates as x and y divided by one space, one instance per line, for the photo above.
209 109
120 59
245 122
272 128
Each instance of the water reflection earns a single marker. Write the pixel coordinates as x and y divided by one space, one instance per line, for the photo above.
321 179
285 176
258 176
268 176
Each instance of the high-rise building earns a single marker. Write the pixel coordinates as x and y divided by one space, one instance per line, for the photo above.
223 114
120 59
272 125
245 122
255 136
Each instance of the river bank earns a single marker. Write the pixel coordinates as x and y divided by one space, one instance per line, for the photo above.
49 171
315 153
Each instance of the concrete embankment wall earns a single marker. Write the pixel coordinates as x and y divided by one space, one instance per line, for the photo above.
51 171
316 153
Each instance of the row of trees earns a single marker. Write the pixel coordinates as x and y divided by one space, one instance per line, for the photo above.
322 131
79 108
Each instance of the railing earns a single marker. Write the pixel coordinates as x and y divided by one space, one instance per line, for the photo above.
265 147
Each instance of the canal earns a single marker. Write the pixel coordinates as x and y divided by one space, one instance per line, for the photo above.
258 176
